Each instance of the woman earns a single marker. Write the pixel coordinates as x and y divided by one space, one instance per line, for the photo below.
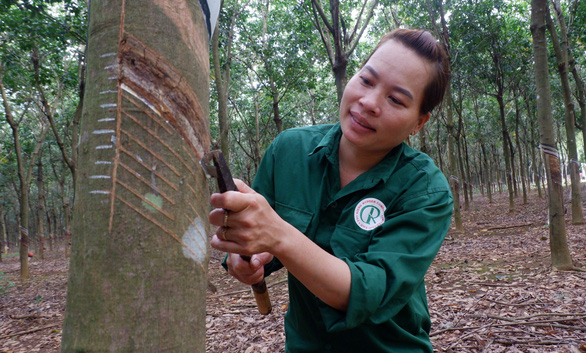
354 214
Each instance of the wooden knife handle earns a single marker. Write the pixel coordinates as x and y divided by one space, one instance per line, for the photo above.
261 294
226 183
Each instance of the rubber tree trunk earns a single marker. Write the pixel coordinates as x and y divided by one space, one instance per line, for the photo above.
137 280
506 151
520 151
561 52
41 208
452 166
4 246
560 254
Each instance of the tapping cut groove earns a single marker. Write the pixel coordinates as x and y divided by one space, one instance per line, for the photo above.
159 175
146 182
137 194
156 81
153 117
150 151
154 134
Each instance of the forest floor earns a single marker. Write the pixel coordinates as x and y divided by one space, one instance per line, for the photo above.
490 289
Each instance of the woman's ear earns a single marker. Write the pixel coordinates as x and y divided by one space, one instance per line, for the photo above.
423 118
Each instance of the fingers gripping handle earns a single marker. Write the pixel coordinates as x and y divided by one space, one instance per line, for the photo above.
261 294
226 183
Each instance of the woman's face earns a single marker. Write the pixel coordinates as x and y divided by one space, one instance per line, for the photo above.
381 104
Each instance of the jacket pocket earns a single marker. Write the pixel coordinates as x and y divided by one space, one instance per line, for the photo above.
347 242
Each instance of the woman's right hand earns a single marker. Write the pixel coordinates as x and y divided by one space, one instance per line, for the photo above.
248 272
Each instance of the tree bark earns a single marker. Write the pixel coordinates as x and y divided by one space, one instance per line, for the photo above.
137 279
506 149
520 151
462 175
452 166
561 52
580 94
532 142
41 209
560 254
4 246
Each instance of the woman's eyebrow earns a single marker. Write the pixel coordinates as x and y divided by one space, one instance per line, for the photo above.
372 71
397 88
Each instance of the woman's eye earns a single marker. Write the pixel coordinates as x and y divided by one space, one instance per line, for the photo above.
366 81
395 101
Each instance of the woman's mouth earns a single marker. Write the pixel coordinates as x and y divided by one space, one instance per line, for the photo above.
360 122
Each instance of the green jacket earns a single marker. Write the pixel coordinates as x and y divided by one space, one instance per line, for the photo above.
387 225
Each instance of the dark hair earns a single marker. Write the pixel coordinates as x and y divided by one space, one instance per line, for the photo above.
427 47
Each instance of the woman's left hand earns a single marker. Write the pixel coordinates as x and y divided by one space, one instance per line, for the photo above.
251 226
247 224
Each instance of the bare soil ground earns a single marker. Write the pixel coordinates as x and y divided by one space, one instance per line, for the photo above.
491 289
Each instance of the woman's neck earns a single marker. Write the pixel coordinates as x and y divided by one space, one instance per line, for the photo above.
354 161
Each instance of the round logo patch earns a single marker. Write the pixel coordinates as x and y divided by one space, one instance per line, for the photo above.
369 213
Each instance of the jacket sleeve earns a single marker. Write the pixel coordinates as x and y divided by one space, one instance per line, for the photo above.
389 275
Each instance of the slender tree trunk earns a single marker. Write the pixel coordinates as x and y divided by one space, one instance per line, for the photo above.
24 177
560 254
269 68
4 246
515 180
222 81
480 170
339 42
439 146
561 51
462 175
470 182
137 279
581 96
452 166
534 161
65 200
41 209
50 229
444 38
520 151
507 154
489 174
256 142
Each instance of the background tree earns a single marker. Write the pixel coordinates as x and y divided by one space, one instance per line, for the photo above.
25 161
560 254
561 53
339 36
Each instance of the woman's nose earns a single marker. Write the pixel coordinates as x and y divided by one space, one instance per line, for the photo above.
371 103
